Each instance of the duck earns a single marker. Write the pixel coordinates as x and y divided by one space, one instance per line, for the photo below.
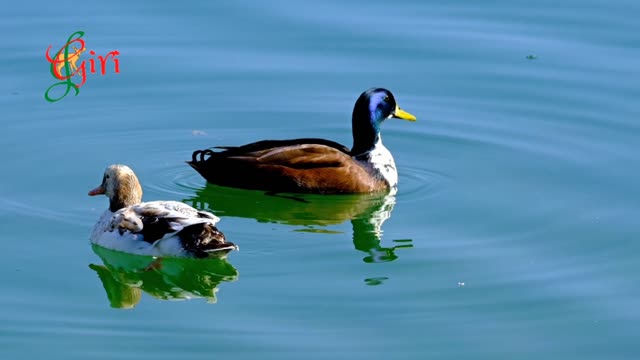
154 228
313 165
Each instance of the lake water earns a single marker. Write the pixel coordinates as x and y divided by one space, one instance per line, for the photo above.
514 234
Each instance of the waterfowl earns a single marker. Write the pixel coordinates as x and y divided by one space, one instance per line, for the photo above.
310 165
155 228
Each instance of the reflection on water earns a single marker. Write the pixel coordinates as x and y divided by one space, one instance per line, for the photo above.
367 213
375 281
125 276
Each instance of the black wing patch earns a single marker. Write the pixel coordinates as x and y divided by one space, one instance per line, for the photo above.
155 228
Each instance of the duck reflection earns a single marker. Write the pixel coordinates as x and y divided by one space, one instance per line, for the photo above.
367 213
125 276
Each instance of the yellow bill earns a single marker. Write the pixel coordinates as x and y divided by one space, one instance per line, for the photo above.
401 114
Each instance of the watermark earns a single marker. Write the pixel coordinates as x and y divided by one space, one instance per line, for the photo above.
66 61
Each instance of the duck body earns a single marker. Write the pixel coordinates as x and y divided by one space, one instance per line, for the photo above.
311 165
299 166
156 228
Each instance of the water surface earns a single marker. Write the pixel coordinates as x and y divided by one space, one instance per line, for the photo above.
513 234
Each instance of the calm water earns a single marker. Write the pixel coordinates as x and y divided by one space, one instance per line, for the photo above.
514 234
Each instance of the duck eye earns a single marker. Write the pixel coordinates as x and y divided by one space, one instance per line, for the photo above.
386 98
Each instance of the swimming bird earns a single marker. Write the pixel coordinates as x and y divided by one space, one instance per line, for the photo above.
155 228
311 165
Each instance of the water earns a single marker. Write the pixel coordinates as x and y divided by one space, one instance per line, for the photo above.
513 234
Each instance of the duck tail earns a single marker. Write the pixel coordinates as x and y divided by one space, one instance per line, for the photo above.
204 238
200 157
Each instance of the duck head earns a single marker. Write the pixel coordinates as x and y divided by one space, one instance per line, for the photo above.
120 184
372 108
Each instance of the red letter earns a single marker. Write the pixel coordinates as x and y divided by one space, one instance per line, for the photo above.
92 62
54 62
103 62
83 69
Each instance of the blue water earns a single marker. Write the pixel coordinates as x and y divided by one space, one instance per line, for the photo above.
513 234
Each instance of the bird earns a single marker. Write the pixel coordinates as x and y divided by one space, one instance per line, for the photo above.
312 165
155 228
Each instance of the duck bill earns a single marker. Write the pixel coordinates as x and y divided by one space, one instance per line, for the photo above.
97 191
401 114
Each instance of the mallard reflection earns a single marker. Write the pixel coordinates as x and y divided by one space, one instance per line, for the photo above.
367 213
125 277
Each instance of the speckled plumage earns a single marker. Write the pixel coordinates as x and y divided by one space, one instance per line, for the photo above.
157 228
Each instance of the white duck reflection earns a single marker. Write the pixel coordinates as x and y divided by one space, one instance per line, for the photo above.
125 277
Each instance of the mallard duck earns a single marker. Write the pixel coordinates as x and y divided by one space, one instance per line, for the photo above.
312 165
155 228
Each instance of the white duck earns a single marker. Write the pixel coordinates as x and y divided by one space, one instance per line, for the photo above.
156 228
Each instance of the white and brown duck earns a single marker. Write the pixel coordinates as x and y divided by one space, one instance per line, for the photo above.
155 228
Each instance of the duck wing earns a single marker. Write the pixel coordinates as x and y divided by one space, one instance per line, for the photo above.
272 144
157 221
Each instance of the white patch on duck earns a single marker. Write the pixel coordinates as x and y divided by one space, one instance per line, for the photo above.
382 160
124 229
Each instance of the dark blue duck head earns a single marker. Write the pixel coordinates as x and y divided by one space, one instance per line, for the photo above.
372 108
